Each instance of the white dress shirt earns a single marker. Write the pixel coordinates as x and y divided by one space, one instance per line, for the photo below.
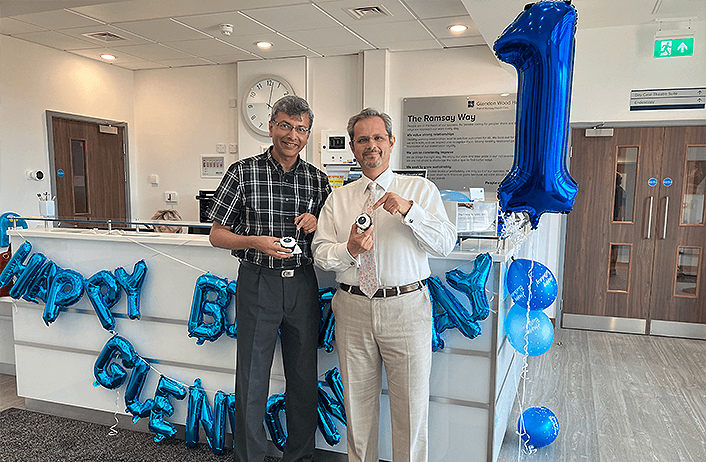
401 243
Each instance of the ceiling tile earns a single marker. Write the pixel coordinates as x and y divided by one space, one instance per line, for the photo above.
332 37
209 23
248 43
120 57
289 18
186 62
9 26
337 9
60 19
160 30
207 48
151 52
131 39
412 45
425 9
151 9
463 41
232 57
392 32
440 26
56 40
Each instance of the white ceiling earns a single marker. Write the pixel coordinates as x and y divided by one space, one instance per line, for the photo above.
176 33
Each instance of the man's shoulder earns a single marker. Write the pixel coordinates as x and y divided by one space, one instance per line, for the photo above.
249 162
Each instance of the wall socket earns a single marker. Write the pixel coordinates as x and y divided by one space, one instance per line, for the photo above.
171 197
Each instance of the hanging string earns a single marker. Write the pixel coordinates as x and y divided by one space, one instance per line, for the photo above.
114 428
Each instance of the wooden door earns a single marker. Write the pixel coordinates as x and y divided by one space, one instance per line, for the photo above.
679 291
89 171
628 254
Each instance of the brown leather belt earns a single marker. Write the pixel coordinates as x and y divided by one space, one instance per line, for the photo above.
386 292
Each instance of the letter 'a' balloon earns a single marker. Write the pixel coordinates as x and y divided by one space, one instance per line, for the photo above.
540 44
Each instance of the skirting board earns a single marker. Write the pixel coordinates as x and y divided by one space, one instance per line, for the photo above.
7 369
678 329
603 323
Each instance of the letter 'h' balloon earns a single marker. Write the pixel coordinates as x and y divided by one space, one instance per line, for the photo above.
540 44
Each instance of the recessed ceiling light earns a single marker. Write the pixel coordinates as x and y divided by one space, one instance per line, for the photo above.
458 28
107 56
504 94
263 45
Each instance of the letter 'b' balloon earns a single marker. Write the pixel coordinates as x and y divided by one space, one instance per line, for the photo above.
540 44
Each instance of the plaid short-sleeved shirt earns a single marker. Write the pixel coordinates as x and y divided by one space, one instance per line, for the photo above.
258 198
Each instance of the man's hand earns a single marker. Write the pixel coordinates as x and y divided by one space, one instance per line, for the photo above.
393 203
270 246
359 242
307 222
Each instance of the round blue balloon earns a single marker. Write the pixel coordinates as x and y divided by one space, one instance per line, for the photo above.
531 284
533 324
538 426
454 196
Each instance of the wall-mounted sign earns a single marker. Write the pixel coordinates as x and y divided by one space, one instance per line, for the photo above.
462 142
673 47
668 98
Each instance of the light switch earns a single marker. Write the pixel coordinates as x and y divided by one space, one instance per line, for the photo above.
171 197
221 148
233 148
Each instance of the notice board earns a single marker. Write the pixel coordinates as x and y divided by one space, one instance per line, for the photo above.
463 142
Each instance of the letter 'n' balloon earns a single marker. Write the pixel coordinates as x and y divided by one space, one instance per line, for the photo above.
540 45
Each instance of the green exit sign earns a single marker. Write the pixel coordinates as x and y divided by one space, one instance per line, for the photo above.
665 48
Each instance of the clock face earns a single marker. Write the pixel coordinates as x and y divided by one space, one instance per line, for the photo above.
259 100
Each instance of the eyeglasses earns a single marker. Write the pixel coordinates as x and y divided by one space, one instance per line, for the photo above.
378 139
285 127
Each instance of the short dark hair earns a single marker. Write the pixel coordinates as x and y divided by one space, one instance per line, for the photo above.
364 114
293 106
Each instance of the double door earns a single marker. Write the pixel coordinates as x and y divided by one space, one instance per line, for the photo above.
635 239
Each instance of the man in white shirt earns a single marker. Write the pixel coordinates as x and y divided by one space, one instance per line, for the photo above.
392 324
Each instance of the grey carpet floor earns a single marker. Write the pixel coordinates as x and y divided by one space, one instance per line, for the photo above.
27 436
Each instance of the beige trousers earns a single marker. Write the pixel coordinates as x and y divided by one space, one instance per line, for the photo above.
395 332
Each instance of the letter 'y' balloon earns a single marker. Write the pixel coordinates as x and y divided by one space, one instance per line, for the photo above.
540 44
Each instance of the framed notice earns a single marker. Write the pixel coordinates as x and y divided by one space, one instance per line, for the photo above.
462 142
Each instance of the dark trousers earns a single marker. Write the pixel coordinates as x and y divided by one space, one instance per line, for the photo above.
266 303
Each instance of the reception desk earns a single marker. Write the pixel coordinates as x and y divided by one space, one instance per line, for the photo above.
473 382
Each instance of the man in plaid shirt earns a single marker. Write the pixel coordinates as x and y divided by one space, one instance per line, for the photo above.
261 200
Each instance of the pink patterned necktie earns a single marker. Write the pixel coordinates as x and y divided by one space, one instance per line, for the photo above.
369 282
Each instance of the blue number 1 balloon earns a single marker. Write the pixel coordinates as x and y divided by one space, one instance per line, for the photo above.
540 44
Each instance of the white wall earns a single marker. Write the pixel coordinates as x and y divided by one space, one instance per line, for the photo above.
34 79
612 61
179 115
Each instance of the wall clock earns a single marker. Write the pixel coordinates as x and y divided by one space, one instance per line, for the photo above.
259 99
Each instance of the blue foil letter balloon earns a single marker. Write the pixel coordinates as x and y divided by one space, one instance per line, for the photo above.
132 285
162 407
540 44
66 289
103 302
276 404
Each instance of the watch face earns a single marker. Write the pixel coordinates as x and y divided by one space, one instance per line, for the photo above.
259 100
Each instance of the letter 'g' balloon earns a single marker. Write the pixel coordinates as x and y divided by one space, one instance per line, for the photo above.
538 329
531 284
540 44
538 426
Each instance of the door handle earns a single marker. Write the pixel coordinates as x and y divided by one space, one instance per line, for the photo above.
649 219
666 209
